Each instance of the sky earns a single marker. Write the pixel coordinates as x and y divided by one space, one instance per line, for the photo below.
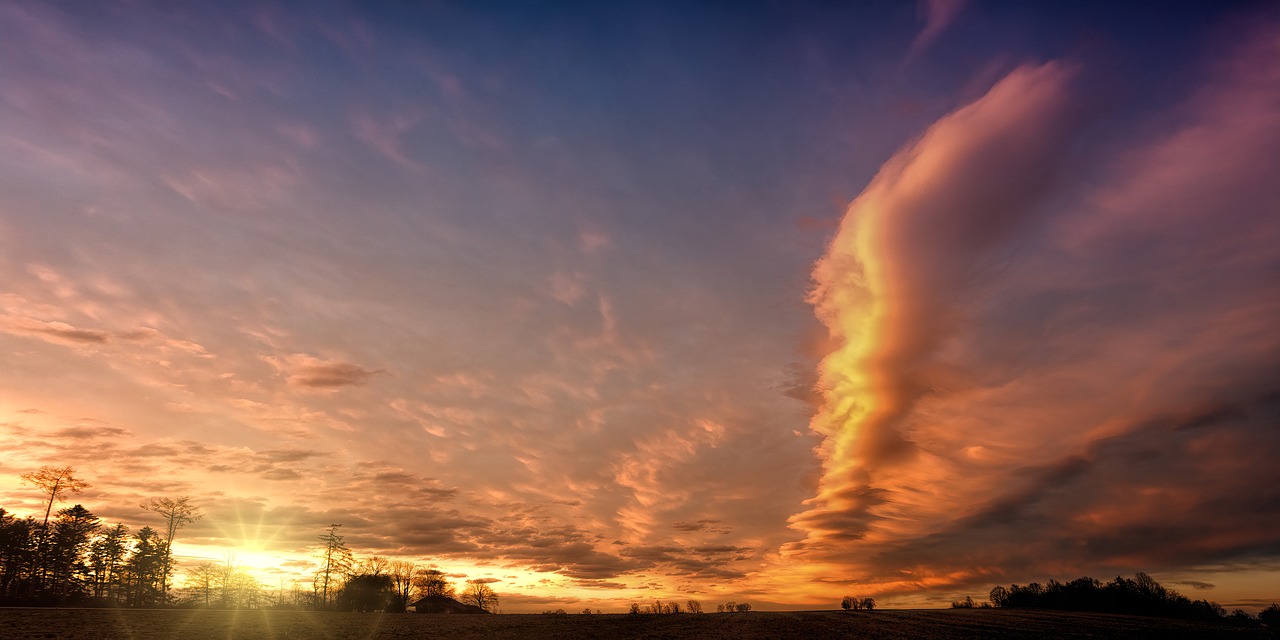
607 302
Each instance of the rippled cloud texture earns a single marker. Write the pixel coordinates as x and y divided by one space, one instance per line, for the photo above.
561 299
1056 357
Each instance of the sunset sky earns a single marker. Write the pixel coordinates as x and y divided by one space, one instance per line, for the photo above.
603 302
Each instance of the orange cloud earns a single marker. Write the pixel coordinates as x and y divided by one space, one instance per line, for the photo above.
961 186
1035 374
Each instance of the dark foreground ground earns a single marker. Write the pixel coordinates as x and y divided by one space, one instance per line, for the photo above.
228 625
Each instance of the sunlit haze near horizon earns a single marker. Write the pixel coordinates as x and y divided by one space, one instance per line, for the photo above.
607 302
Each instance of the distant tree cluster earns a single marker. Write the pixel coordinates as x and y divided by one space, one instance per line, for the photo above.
377 583
854 603
77 559
1141 595
561 612
733 607
669 607
660 607
225 586
970 603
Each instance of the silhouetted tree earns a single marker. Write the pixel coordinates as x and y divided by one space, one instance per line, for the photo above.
999 596
202 579
144 572
855 603
1270 616
245 592
635 609
177 513
106 561
481 595
68 573
236 588
744 607
694 606
55 481
336 559
17 555
401 573
367 592
374 565
1240 617
432 582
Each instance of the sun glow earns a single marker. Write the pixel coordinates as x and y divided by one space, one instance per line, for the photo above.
263 564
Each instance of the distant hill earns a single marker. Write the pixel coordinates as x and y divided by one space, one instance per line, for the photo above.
441 604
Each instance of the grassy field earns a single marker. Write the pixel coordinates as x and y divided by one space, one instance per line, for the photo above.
227 625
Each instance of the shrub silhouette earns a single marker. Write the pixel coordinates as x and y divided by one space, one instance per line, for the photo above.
367 592
1270 616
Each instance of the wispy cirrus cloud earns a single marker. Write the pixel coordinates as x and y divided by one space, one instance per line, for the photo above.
937 15
55 331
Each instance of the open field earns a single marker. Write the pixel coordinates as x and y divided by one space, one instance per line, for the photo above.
226 625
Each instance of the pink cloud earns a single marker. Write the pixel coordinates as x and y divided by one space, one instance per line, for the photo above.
57 332
937 16
1033 369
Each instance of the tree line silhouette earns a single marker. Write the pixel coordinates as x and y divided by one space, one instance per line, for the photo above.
1140 595
673 607
71 557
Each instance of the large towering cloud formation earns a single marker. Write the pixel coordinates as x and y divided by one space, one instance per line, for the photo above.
1055 352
